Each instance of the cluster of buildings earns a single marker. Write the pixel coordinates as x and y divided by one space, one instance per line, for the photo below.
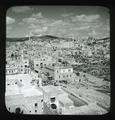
18 67
49 100
33 64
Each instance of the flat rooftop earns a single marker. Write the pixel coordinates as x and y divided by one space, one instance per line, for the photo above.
17 76
91 109
26 91
31 91
14 90
63 98
52 90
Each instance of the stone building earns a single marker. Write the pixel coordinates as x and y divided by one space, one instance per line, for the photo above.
63 73
25 100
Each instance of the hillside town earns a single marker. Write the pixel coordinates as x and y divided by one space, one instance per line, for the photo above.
56 75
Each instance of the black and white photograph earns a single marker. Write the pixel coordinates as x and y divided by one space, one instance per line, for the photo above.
57 60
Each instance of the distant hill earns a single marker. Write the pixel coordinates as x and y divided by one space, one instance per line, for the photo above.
50 38
47 38
16 39
35 38
107 38
44 37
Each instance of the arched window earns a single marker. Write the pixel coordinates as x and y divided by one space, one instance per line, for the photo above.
52 99
25 65
36 104
77 73
53 106
18 110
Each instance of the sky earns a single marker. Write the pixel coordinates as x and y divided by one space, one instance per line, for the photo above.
62 21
